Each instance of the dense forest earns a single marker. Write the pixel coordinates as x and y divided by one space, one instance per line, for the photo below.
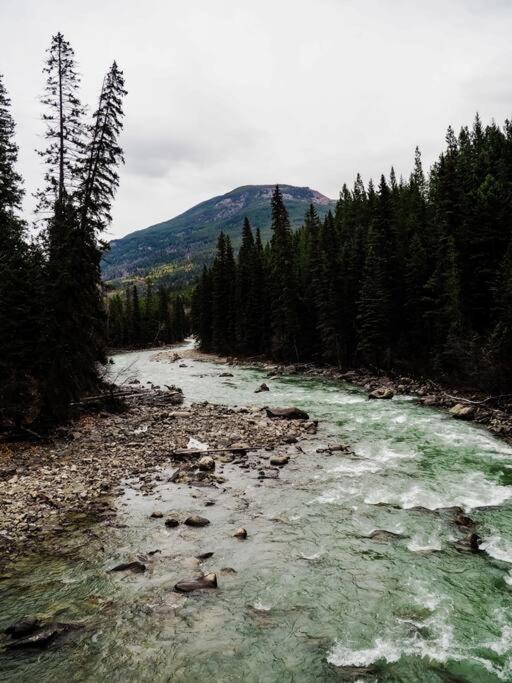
149 318
52 314
413 275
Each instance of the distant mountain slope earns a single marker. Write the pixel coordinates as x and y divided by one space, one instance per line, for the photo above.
176 249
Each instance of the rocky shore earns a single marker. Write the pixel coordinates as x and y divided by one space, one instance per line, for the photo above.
47 488
495 413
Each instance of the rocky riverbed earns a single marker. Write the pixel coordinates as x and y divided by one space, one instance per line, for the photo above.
46 488
495 413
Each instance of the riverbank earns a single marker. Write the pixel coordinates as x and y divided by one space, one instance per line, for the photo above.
462 402
49 488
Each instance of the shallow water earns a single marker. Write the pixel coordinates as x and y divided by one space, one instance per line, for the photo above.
312 598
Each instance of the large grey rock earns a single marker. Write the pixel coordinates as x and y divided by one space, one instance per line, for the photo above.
197 521
287 413
382 392
463 412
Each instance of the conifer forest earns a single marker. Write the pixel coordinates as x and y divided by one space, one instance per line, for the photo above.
412 275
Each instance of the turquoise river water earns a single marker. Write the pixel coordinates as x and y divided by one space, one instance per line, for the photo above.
313 598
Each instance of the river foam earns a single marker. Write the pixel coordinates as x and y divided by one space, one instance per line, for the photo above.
468 492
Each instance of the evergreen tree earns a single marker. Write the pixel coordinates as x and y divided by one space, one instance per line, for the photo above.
20 284
283 284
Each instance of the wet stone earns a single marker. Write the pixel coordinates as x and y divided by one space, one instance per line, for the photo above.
197 521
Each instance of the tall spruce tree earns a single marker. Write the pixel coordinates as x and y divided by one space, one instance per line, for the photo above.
20 284
80 183
284 318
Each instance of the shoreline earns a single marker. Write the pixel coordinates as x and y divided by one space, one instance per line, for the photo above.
479 408
48 490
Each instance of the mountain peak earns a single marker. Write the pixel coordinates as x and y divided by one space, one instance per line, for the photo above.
175 250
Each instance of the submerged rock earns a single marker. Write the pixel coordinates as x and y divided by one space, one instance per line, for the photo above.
172 522
226 374
262 387
470 544
463 520
41 637
197 521
287 413
189 585
384 535
24 627
40 640
204 556
382 392
137 567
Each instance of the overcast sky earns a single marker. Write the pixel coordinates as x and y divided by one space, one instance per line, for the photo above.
225 93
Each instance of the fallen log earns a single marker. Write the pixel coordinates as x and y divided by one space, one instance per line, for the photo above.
241 449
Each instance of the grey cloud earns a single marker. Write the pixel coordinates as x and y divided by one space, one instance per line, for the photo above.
228 93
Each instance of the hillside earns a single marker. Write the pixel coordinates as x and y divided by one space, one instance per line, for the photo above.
175 250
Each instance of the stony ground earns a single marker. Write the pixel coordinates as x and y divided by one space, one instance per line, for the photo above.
46 487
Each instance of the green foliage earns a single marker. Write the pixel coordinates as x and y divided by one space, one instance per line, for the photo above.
155 318
415 275
52 317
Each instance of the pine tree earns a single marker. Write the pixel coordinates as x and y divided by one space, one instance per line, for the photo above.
20 284
64 127
374 308
283 284
80 183
223 296
246 315
136 321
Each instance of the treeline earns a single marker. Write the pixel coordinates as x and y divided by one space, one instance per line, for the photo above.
52 315
412 275
149 319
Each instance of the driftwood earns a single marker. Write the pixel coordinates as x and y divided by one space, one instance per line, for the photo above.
109 395
185 452
489 399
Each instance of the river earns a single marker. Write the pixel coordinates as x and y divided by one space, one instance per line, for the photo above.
313 598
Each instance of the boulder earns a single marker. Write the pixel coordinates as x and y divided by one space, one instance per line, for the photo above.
382 392
262 387
157 514
240 533
279 460
287 413
206 463
172 522
189 585
463 412
204 556
197 521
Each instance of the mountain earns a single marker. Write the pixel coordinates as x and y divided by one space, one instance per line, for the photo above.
175 250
